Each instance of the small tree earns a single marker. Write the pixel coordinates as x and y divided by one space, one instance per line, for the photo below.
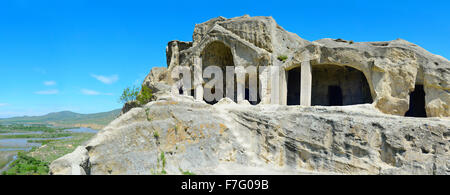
129 94
145 96
142 95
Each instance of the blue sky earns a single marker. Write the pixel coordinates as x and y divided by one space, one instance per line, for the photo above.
78 55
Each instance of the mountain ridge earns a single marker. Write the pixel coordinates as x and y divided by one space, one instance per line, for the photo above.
67 118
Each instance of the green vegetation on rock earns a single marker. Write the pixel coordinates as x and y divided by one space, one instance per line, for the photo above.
129 94
186 172
161 164
282 58
142 95
145 96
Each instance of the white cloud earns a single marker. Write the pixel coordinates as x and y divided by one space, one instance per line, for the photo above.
49 83
106 79
93 92
89 92
3 104
47 92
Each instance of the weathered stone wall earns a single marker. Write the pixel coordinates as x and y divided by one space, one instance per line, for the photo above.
174 52
392 68
354 86
217 54
228 138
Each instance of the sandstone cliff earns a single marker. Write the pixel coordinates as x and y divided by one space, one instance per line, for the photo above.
177 133
229 138
392 69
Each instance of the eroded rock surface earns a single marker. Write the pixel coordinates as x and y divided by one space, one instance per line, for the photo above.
392 69
265 139
176 133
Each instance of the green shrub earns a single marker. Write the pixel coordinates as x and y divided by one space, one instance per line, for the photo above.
26 165
282 58
147 112
129 94
163 160
145 96
185 172
161 163
142 95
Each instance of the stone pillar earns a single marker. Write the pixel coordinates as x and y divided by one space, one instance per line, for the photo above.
240 83
264 84
198 79
283 86
199 93
305 84
240 92
275 84
186 80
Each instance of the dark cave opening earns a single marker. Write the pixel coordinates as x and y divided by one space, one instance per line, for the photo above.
293 87
217 54
335 96
417 103
334 85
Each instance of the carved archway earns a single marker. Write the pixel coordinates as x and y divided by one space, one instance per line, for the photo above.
334 85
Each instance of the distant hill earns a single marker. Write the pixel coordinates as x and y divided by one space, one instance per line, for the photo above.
67 119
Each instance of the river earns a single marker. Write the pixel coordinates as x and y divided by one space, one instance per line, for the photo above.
12 146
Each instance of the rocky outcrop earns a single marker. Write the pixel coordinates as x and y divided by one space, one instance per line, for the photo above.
392 68
75 163
177 134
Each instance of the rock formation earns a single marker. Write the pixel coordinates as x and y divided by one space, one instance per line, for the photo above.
392 69
341 110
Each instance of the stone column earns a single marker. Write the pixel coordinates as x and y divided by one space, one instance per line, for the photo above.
283 86
199 93
264 84
306 82
240 83
198 79
275 84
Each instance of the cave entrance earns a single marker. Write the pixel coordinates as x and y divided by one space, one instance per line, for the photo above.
335 96
334 85
293 86
217 54
192 93
417 103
